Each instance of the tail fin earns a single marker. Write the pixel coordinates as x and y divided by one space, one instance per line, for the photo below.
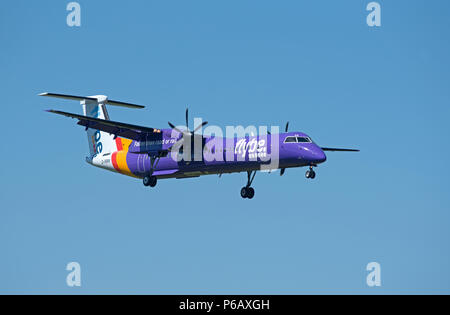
95 106
99 141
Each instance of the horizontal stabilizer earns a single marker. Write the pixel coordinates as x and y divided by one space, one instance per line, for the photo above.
339 150
91 98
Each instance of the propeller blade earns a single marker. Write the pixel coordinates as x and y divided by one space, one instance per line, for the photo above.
282 171
202 124
287 126
173 127
187 118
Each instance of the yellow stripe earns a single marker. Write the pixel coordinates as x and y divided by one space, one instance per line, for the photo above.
126 144
122 163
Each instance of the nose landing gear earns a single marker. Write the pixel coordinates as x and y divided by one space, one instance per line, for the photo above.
247 191
310 173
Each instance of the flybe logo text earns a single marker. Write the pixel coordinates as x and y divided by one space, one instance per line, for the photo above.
97 136
255 148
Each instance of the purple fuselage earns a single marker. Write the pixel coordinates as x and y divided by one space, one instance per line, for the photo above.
222 155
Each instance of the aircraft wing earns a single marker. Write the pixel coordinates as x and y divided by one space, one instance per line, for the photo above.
119 129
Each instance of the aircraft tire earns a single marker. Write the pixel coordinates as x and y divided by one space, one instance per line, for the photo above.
146 181
250 192
153 181
244 192
150 181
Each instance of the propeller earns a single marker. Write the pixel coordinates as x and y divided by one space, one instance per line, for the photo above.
287 127
187 131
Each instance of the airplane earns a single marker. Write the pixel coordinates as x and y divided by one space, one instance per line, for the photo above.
146 153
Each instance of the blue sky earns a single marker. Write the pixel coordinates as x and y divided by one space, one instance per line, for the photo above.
315 63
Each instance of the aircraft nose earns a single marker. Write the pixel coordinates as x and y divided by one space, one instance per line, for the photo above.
315 155
320 156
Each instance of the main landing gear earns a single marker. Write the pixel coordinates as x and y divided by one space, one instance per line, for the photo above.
247 191
150 180
310 173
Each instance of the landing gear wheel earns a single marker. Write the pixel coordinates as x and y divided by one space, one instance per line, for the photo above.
247 192
250 192
153 181
244 192
310 174
150 181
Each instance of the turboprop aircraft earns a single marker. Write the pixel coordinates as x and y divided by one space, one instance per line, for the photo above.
152 154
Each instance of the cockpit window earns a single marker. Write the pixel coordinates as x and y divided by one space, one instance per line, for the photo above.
303 139
297 139
290 140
